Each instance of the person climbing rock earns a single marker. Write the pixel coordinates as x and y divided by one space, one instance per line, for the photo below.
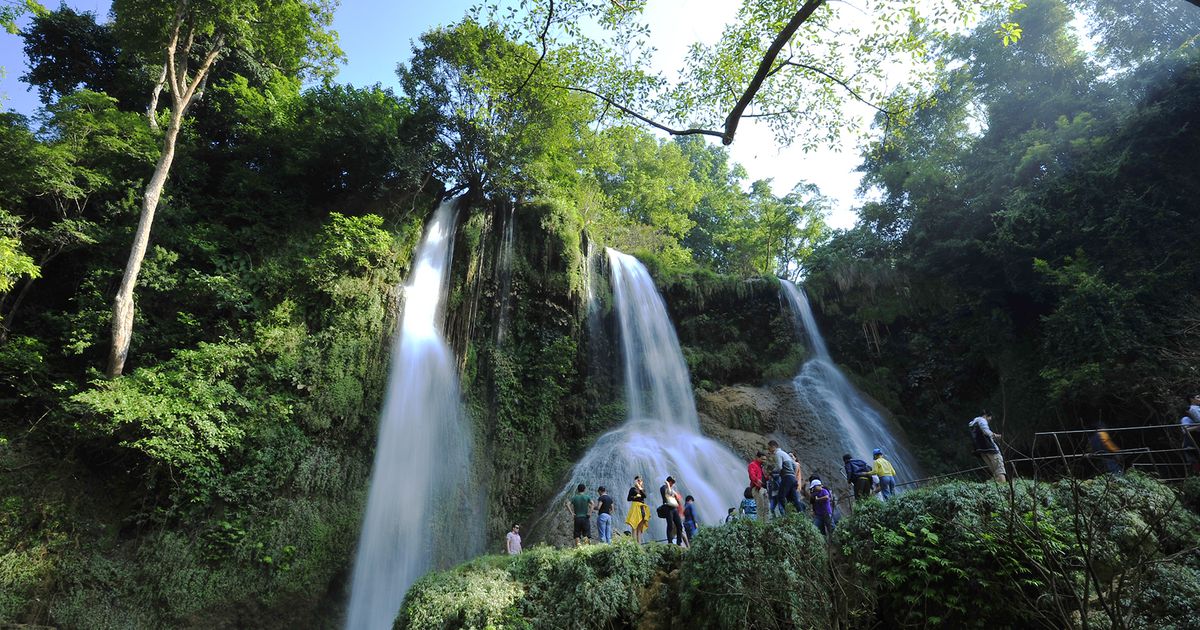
604 506
822 502
887 475
581 506
638 517
986 447
858 473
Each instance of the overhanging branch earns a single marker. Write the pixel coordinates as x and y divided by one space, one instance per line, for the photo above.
675 132
765 67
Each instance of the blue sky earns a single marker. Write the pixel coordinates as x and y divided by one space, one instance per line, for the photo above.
377 34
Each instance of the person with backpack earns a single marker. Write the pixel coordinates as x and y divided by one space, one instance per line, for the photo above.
858 473
985 446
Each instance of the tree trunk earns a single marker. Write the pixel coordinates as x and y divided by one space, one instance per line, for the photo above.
122 325
152 109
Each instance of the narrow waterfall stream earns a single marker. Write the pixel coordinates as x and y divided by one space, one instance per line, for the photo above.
823 387
662 433
423 449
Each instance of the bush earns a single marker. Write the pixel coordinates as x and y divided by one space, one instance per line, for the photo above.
595 586
763 575
975 555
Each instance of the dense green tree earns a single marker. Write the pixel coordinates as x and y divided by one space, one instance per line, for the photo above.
290 36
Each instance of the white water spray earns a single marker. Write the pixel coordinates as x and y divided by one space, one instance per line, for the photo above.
824 388
662 434
423 449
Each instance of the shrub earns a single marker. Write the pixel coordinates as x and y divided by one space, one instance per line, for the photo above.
764 575
596 586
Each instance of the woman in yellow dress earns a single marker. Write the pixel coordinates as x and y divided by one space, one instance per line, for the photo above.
638 517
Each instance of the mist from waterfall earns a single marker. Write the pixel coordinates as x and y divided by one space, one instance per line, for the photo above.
661 435
423 449
823 388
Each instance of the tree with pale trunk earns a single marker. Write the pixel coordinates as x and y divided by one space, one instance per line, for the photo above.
183 40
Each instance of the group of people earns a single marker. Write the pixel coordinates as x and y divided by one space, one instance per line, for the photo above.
772 489
678 511
775 482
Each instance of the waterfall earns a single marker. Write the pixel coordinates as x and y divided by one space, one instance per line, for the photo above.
423 450
662 433
504 272
822 387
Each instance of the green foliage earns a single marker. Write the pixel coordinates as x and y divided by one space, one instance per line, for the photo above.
753 574
974 555
596 586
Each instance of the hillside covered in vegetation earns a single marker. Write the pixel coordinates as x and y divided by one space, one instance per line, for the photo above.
187 430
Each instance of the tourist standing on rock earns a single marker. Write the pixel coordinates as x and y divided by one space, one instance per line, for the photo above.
690 524
858 473
986 447
512 542
604 506
788 471
822 501
669 510
757 484
887 475
581 506
638 518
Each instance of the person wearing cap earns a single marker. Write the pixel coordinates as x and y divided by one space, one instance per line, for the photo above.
887 475
822 501
670 509
512 542
986 447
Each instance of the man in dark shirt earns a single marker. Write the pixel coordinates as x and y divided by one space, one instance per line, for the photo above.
581 506
604 515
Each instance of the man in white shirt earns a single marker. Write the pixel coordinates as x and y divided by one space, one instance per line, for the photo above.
513 542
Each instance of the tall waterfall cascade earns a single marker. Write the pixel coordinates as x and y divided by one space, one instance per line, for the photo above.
824 389
661 435
424 445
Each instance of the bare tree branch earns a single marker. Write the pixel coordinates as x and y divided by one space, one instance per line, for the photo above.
542 57
840 82
656 125
765 67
